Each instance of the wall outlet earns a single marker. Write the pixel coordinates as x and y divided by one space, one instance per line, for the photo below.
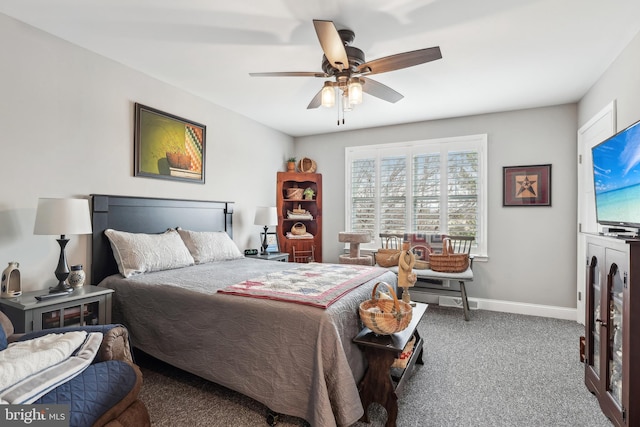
447 301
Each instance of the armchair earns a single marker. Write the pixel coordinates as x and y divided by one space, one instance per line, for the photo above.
106 392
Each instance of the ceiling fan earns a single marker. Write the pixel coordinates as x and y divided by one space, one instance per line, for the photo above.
347 65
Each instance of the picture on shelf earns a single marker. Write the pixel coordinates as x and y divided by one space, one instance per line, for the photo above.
272 242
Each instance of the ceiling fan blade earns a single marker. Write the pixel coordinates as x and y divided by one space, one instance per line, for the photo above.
289 74
400 60
331 43
381 91
316 101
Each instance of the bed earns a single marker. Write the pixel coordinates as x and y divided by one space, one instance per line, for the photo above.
295 358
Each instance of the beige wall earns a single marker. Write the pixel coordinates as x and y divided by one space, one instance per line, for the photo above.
66 129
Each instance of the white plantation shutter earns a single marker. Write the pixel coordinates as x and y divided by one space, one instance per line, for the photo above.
426 193
462 189
434 187
363 195
393 194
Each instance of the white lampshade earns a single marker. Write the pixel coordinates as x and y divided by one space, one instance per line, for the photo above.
62 216
266 215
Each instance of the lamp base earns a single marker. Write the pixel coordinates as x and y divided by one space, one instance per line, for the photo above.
62 270
62 287
264 241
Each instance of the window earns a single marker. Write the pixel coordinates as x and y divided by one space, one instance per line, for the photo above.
433 186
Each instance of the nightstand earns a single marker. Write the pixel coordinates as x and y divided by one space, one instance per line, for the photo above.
273 256
86 305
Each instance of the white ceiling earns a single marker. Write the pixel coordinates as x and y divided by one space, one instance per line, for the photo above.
498 55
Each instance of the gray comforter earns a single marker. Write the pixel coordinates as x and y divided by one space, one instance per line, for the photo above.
295 359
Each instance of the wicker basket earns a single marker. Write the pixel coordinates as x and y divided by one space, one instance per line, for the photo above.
421 265
385 316
307 165
447 261
179 160
387 257
298 229
294 193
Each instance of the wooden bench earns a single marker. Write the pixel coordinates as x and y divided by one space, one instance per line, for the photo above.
428 279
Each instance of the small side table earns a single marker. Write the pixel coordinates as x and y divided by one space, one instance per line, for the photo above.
272 256
378 384
86 305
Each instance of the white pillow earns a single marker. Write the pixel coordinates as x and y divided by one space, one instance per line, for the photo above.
209 246
138 253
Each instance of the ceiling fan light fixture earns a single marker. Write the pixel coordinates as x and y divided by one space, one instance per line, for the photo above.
346 105
355 91
328 95
347 65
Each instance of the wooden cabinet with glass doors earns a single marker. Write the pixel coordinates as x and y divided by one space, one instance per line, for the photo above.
612 357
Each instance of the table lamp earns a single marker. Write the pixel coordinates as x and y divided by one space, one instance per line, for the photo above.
266 216
62 217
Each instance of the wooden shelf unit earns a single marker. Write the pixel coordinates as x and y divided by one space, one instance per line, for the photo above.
286 180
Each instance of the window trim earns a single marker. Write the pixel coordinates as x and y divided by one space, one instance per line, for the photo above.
477 142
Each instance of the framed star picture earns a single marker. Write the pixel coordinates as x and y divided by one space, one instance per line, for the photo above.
526 185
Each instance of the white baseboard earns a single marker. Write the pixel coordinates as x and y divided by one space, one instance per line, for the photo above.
555 312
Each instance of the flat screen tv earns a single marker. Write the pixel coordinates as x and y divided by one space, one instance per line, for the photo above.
616 176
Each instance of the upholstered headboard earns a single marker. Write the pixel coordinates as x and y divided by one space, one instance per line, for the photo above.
149 215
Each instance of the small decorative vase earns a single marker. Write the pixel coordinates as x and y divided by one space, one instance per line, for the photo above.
10 285
77 276
291 166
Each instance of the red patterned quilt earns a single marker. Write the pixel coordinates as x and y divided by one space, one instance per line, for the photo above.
314 284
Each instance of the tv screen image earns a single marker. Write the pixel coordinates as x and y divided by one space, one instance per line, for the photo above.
616 176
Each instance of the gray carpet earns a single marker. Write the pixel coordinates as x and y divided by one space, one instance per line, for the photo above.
498 369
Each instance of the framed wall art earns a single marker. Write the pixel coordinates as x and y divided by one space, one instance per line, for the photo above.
272 242
526 185
168 146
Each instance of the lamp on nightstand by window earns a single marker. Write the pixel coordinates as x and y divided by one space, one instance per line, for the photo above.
62 217
266 216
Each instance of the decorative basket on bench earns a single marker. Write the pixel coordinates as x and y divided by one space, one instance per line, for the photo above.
448 261
385 316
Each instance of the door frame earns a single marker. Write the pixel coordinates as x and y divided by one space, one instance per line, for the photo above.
597 129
